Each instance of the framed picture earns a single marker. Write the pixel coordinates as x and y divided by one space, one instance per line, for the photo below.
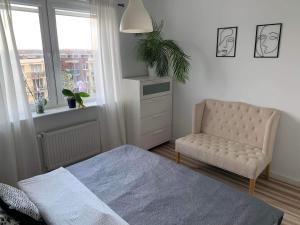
267 40
226 41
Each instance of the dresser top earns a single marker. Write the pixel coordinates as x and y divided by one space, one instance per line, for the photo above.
147 78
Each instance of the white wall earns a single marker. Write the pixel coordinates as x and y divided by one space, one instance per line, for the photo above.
50 122
130 66
265 82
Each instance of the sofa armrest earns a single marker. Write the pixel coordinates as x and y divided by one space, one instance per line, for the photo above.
198 111
270 135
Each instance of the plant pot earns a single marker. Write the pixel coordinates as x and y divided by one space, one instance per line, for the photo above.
40 106
152 72
72 103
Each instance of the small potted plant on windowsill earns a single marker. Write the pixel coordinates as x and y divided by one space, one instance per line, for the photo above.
163 57
73 97
40 104
40 101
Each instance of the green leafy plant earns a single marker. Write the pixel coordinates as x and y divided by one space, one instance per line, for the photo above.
77 96
163 54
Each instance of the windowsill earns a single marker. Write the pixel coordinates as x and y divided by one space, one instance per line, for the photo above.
62 109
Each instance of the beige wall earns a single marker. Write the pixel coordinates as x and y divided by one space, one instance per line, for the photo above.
265 82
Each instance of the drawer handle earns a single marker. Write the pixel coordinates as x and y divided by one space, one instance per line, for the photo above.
157 100
152 101
157 116
158 131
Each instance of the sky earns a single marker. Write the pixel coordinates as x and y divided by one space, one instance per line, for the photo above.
73 32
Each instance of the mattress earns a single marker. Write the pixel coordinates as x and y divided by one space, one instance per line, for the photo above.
147 189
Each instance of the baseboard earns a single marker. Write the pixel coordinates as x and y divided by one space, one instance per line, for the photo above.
285 179
172 141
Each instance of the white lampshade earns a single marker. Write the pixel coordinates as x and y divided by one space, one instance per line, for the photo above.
136 19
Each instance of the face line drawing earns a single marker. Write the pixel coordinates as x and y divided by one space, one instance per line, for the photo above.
272 39
260 46
226 39
268 41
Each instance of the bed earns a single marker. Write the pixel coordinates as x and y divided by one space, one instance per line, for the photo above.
146 189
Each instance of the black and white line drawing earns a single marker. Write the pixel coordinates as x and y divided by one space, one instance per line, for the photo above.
267 40
226 41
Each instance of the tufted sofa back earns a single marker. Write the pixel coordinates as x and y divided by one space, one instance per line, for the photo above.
236 121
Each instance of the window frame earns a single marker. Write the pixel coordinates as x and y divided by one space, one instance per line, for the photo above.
47 19
43 18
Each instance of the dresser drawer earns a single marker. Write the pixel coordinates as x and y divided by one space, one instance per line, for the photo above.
155 138
155 122
154 106
155 89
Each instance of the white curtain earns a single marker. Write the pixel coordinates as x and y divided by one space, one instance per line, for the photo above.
19 157
108 72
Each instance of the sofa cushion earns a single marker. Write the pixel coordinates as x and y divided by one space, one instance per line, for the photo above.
236 121
245 160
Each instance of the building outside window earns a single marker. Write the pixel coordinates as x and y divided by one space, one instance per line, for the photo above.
72 66
36 68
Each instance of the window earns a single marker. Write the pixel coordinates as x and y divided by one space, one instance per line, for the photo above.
54 44
29 43
85 66
74 70
36 68
39 84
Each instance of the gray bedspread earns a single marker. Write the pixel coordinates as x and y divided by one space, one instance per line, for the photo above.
147 189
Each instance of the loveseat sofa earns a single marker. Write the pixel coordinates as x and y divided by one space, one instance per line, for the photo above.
234 136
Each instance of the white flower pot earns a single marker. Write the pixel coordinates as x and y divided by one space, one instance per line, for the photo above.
151 71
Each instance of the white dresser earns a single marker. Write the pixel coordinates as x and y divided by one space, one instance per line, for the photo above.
148 108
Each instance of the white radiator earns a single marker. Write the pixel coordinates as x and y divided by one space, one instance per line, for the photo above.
69 145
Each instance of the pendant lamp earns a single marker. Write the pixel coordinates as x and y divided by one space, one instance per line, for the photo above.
136 19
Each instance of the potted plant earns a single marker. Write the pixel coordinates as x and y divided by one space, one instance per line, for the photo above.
40 101
73 97
161 55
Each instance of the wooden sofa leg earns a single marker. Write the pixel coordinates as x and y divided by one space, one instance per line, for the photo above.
252 183
177 157
267 172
